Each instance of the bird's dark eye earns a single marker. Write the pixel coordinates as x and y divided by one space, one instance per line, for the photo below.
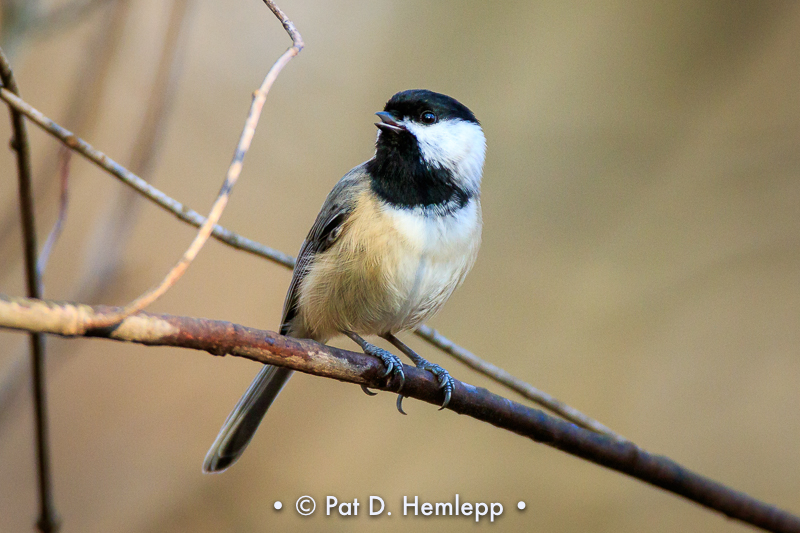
428 117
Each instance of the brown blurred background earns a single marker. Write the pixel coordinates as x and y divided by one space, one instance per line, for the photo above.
641 258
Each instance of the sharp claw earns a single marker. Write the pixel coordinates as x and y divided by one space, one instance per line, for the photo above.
446 399
402 380
400 404
367 391
388 371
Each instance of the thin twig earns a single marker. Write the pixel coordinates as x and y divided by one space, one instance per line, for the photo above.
235 240
48 520
234 170
221 338
63 171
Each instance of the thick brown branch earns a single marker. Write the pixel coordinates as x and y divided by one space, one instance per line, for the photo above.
221 338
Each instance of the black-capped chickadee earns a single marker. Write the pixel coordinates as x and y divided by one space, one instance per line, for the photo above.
393 240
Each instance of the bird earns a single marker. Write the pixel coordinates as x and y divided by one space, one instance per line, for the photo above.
393 239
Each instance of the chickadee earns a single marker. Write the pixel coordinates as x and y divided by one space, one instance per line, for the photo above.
393 240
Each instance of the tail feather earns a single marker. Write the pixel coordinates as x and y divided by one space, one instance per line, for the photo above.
241 424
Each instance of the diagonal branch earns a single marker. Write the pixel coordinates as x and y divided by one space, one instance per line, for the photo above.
223 338
235 240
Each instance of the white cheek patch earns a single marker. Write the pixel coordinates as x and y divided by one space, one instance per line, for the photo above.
455 144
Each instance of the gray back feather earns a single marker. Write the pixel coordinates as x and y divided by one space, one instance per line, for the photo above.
326 229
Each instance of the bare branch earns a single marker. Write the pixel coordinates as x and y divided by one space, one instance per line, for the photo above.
113 228
223 338
48 519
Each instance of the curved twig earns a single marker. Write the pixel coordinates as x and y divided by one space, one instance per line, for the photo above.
222 338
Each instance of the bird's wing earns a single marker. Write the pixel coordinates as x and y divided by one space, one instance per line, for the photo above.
326 230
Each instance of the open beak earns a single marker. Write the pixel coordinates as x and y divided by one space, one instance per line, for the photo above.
388 123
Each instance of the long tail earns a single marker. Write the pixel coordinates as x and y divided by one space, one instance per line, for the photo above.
241 424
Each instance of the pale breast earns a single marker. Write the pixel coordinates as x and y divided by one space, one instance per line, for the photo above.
441 249
390 270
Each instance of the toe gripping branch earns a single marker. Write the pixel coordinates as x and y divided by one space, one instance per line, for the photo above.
394 367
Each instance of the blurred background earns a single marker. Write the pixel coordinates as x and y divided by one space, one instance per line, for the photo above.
641 256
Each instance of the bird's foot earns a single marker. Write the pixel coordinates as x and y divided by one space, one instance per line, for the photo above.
392 363
446 381
444 378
